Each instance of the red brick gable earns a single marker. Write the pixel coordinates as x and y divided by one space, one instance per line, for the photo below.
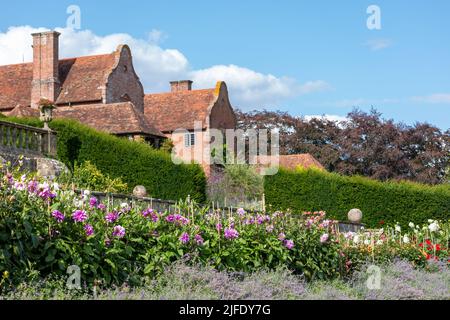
82 80
179 110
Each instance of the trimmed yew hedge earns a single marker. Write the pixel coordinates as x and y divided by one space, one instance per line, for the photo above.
388 202
136 163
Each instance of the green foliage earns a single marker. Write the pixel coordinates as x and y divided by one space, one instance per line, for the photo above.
135 163
87 176
167 146
388 202
45 228
237 185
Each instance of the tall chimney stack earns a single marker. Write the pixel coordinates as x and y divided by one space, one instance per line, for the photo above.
183 85
45 67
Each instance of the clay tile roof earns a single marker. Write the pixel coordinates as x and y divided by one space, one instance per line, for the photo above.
300 160
15 85
23 112
179 110
116 118
82 80
293 161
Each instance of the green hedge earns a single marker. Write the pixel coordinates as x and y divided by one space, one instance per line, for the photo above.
136 163
391 202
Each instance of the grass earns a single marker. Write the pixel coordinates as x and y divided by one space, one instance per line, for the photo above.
399 281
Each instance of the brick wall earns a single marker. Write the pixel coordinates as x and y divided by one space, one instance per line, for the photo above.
123 83
222 115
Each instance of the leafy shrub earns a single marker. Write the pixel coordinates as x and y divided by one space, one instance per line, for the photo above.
135 163
45 228
388 202
87 176
167 146
237 186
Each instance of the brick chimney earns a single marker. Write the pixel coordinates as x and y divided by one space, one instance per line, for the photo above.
45 67
183 85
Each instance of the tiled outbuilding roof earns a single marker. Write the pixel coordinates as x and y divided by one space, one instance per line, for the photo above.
293 161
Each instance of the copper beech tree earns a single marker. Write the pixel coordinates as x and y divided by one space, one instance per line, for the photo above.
366 144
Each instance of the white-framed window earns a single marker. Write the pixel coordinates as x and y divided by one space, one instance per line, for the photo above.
189 139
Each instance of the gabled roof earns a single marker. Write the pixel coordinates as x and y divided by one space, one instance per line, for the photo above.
82 80
15 85
115 118
179 110
23 112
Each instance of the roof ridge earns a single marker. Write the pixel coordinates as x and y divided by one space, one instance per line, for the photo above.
16 64
90 56
180 92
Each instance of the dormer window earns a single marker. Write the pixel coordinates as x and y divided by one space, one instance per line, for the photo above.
125 68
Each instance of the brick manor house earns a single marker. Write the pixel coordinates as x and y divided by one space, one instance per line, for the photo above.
105 93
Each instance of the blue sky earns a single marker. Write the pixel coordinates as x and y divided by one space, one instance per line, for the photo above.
305 57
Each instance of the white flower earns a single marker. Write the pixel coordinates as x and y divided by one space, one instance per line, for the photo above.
430 221
398 228
433 227
349 235
56 186
43 185
367 242
379 242
411 225
356 239
381 231
86 193
405 239
124 205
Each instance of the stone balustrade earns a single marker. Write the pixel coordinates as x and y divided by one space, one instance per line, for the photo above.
26 140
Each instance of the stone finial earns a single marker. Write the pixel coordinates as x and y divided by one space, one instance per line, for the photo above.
355 216
140 191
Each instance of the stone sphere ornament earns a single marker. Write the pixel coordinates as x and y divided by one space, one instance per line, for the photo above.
355 216
140 191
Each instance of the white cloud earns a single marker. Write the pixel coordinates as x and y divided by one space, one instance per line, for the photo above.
437 98
253 89
157 66
378 44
